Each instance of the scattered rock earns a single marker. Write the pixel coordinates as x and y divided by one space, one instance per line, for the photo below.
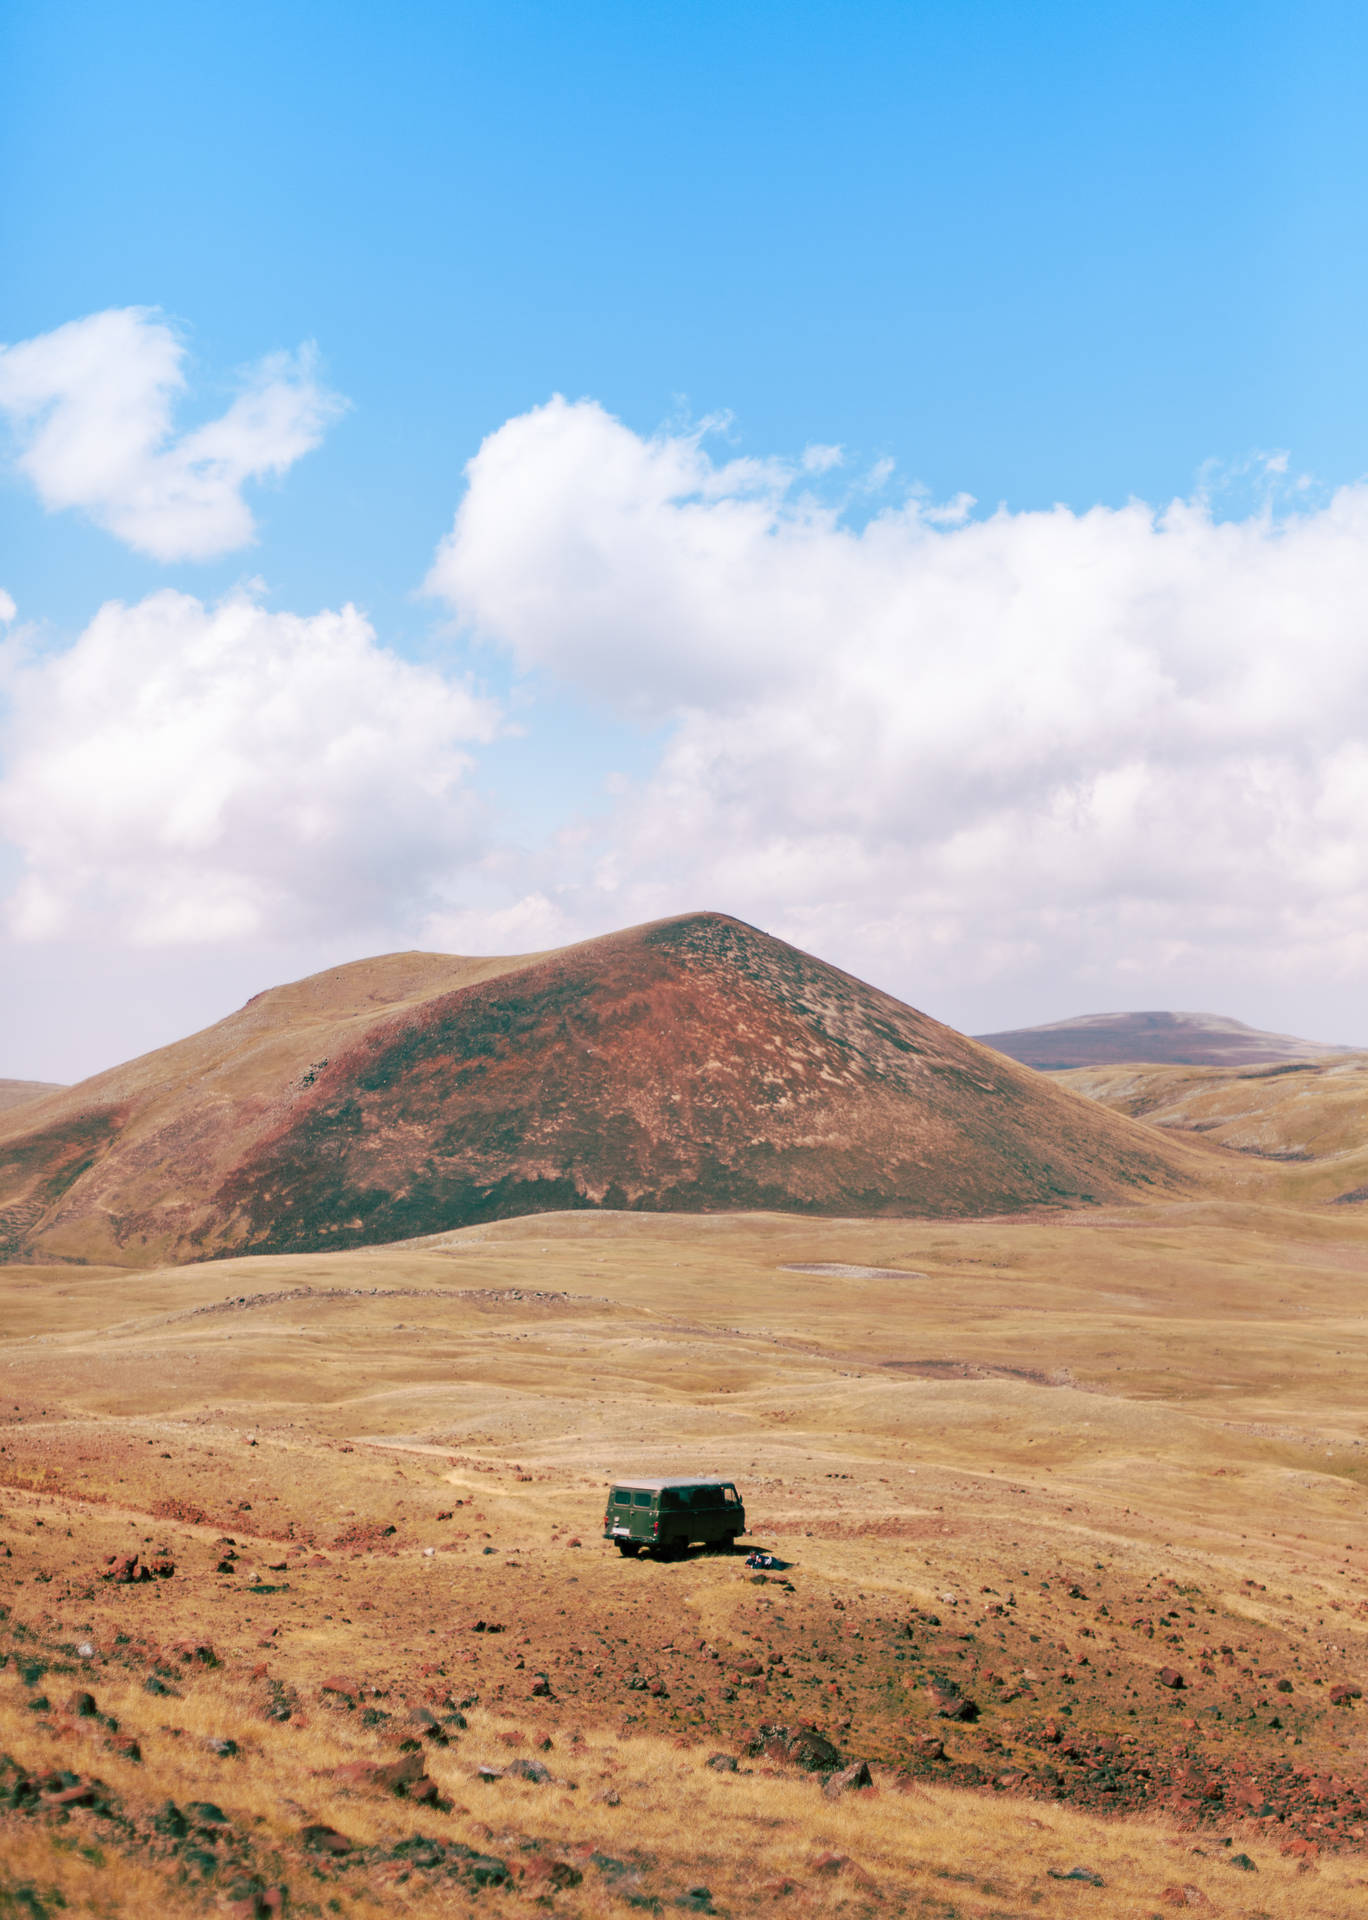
848 1780
195 1652
721 1763
1243 1862
1184 1897
225 1749
544 1870
1345 1696
1170 1677
1084 1875
322 1839
532 1770
949 1703
802 1745
83 1706
81 1795
394 1776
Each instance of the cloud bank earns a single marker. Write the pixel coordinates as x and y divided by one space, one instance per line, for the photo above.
193 774
91 406
1114 743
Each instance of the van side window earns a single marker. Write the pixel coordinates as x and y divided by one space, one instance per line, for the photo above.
730 1495
642 1499
621 1498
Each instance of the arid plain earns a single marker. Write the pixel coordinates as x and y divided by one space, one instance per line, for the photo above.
1045 1460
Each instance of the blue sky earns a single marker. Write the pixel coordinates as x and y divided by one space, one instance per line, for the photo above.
1057 253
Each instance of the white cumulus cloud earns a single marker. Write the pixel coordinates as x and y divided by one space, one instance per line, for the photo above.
192 773
1109 745
91 405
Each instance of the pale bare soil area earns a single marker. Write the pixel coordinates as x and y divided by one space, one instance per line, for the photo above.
1039 1467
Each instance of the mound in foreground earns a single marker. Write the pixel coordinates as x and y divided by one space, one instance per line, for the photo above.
695 1064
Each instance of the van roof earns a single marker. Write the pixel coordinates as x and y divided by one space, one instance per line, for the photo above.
651 1485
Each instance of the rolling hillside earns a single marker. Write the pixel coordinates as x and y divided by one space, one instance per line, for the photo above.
18 1093
1309 1116
691 1065
1174 1039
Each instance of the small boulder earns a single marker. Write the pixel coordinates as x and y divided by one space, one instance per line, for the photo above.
1170 1677
83 1706
541 1870
195 1652
80 1795
801 1745
532 1770
949 1703
323 1839
721 1763
848 1780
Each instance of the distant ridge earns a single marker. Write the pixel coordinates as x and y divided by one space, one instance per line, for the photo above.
18 1093
694 1065
1164 1039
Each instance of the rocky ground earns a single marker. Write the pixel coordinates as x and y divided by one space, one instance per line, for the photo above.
306 1601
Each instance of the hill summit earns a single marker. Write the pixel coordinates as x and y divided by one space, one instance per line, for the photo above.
694 1064
1162 1039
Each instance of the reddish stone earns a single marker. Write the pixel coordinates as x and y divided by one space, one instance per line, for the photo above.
81 1795
321 1839
1170 1677
1299 1847
848 1780
199 1651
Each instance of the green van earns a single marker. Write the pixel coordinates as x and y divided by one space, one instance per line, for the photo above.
666 1515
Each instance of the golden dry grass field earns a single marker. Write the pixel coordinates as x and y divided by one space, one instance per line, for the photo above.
1041 1461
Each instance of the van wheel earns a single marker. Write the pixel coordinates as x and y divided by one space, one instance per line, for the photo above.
629 1549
